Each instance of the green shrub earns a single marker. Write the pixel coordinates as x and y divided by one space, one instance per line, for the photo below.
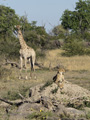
73 48
87 51
86 36
10 47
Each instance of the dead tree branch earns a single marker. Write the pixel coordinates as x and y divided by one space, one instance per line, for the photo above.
16 103
11 103
39 65
11 63
22 97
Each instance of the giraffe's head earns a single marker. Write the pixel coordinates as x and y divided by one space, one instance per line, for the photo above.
18 27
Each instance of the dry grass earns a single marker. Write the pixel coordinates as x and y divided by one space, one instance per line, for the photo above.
78 72
78 67
70 63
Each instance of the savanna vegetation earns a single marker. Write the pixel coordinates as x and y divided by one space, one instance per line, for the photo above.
73 33
68 45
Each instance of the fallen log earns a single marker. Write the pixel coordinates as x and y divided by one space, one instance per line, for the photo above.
11 63
43 100
11 103
17 102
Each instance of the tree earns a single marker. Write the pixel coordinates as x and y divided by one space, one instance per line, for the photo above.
78 20
8 19
8 42
59 31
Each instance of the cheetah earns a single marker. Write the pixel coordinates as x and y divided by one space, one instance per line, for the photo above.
59 78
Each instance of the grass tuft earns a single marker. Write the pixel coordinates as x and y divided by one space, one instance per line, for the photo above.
40 115
48 83
54 90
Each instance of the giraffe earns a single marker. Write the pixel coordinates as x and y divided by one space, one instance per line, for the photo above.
26 52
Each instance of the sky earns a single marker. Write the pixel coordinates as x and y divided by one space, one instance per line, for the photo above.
46 12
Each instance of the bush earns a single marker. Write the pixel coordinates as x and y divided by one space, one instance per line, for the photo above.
86 36
10 47
87 51
73 47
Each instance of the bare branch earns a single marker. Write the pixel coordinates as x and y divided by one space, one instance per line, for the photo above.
12 63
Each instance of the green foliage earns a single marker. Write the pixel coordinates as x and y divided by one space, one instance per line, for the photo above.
10 47
8 42
73 47
59 31
87 51
66 19
8 19
86 36
78 20
41 30
36 37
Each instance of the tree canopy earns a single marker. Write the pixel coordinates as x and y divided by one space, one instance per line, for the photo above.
79 19
8 19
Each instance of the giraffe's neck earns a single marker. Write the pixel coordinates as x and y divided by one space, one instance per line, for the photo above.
21 40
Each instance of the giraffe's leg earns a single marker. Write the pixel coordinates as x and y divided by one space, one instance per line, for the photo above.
26 68
21 65
32 66
21 62
29 60
32 63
